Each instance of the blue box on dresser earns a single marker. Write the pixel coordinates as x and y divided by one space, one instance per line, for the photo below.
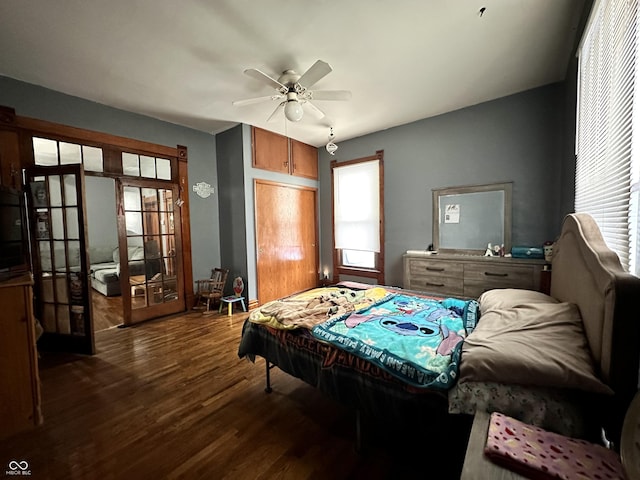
527 252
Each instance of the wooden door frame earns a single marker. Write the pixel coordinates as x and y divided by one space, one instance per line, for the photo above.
111 145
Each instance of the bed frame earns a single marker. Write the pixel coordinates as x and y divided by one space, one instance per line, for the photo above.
584 272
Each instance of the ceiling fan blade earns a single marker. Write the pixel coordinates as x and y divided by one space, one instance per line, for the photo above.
314 110
250 101
263 77
315 73
275 112
330 95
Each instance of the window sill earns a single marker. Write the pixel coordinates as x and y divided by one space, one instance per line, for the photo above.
361 272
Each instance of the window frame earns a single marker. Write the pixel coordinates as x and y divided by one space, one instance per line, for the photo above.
339 267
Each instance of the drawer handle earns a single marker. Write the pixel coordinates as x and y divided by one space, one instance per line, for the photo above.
429 284
491 274
435 269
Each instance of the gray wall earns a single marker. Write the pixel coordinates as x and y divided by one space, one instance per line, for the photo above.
231 198
37 102
513 139
567 169
101 211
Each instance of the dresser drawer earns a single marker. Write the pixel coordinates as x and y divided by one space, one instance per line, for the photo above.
479 278
444 278
434 268
439 284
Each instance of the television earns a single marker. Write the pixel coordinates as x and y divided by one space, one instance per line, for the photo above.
14 241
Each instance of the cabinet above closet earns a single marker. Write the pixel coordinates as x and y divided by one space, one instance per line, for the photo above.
278 153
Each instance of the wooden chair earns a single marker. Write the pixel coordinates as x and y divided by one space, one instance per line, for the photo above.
210 290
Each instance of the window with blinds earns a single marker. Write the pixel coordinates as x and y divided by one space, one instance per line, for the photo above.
606 161
356 202
358 227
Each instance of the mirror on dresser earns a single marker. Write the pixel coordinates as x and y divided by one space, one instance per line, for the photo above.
466 219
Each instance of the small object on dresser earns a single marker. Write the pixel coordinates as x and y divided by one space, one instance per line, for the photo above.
547 247
489 251
527 252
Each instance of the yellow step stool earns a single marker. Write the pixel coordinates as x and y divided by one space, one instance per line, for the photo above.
230 300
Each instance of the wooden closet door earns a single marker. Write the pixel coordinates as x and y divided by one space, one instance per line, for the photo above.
286 239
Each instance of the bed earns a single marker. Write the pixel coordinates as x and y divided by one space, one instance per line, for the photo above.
567 361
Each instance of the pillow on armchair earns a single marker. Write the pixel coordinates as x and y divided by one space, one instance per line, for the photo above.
136 260
134 253
100 254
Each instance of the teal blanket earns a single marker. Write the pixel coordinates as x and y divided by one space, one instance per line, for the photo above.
416 339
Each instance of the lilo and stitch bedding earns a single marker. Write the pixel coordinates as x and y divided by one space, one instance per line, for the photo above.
416 339
350 379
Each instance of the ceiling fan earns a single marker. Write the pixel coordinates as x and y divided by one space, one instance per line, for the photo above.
293 89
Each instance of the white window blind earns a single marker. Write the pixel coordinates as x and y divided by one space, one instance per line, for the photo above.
605 117
357 206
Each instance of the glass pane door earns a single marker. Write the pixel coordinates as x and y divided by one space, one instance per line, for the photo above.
58 242
151 241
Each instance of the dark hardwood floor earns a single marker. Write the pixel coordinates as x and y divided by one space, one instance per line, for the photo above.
107 311
170 398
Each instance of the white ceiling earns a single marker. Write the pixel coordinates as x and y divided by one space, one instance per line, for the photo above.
183 61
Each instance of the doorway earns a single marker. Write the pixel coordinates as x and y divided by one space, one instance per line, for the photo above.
128 276
102 232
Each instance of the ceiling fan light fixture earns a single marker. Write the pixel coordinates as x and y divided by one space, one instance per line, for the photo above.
293 109
296 89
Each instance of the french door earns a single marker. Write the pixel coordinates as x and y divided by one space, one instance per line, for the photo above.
150 246
57 224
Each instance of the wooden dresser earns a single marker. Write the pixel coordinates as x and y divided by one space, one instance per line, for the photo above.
469 275
19 379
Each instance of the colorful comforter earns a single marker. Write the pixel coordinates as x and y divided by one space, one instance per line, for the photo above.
416 339
317 305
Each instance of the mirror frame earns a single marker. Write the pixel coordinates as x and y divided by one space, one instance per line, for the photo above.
506 187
